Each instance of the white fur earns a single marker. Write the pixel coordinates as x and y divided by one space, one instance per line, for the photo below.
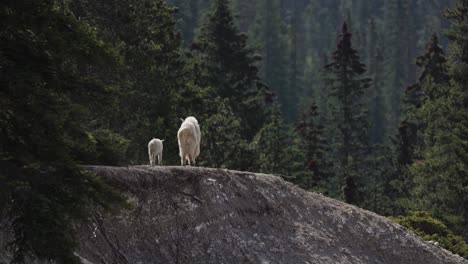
189 137
155 149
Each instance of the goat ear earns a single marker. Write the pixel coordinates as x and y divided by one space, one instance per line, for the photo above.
182 120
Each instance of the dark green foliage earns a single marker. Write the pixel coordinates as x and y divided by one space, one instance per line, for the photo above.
270 39
419 111
222 61
433 73
279 150
440 177
376 100
350 189
432 229
294 157
378 185
268 143
48 91
111 148
188 15
396 50
293 35
222 142
349 134
315 147
101 146
144 33
434 68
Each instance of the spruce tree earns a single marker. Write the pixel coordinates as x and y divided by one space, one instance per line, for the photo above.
222 142
441 176
396 54
246 13
50 83
376 102
222 61
268 142
269 35
278 148
347 88
144 33
434 68
188 15
418 115
314 145
433 73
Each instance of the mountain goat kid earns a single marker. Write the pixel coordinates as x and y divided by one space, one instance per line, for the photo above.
189 137
155 149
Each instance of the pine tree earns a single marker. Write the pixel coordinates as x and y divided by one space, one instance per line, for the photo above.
50 83
347 88
222 61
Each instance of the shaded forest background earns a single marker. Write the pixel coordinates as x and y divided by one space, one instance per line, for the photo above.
364 101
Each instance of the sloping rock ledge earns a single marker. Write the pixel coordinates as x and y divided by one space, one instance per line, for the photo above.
200 215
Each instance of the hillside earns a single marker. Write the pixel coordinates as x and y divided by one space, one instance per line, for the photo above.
200 215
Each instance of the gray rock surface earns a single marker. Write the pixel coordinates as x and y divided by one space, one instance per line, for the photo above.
200 215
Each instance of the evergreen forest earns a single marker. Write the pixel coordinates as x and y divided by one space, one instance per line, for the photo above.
365 101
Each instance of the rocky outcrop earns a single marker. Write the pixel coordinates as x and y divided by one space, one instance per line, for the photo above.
200 215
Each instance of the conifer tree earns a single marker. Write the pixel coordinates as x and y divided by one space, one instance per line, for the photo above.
347 88
433 73
434 68
441 176
396 51
376 102
246 13
222 142
269 35
144 33
314 145
188 14
294 158
418 114
50 85
268 142
222 61
278 149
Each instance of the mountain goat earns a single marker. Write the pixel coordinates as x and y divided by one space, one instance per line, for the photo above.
155 149
189 137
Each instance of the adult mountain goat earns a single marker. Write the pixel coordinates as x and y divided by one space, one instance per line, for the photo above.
189 137
155 149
